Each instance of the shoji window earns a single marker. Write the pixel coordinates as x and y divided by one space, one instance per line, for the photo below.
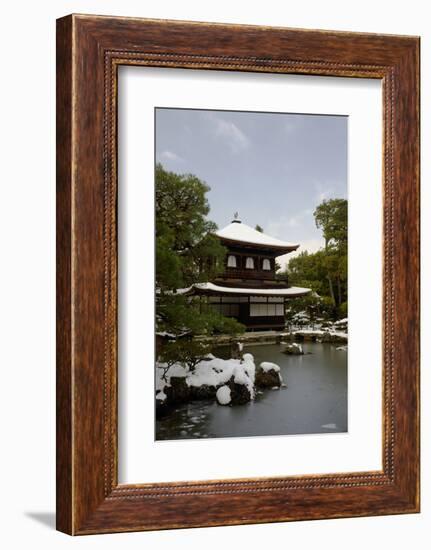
266 265
231 261
249 263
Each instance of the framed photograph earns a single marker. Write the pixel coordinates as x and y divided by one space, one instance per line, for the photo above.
237 274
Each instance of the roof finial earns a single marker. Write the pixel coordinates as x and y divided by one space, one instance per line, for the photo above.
235 218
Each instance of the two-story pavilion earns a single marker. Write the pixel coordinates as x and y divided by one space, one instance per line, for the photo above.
248 289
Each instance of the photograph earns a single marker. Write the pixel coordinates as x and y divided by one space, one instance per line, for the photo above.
251 273
211 307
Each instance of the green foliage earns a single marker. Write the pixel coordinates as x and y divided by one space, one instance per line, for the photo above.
186 351
259 228
325 271
187 252
331 217
343 309
179 314
186 249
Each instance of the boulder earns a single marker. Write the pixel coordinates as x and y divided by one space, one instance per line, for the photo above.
162 406
236 350
202 392
293 349
334 338
239 393
177 392
341 348
268 376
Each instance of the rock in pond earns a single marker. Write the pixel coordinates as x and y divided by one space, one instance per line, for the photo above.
202 392
177 392
268 375
162 407
294 349
239 393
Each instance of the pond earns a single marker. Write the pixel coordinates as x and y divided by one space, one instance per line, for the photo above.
314 401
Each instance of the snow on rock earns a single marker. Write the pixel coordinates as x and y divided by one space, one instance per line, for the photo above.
230 381
212 371
341 348
165 373
223 395
242 377
165 334
268 375
178 371
294 349
161 395
267 366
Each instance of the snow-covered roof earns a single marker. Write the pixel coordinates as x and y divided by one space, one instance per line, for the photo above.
211 287
238 231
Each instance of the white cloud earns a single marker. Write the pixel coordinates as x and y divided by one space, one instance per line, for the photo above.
327 190
324 194
171 156
226 130
281 227
296 220
311 246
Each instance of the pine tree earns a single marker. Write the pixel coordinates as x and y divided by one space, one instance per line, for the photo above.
187 252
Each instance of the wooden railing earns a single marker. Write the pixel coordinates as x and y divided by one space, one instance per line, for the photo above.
234 273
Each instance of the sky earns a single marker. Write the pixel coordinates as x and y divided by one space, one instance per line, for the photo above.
271 168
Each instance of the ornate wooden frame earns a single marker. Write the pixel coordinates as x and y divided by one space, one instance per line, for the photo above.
89 51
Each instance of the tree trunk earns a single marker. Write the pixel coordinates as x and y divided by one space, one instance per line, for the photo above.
331 290
339 291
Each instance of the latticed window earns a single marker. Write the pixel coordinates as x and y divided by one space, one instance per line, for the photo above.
266 264
249 263
266 310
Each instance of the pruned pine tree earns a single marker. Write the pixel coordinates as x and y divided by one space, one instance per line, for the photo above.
187 252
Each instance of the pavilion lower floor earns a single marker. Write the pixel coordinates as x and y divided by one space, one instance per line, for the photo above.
255 312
